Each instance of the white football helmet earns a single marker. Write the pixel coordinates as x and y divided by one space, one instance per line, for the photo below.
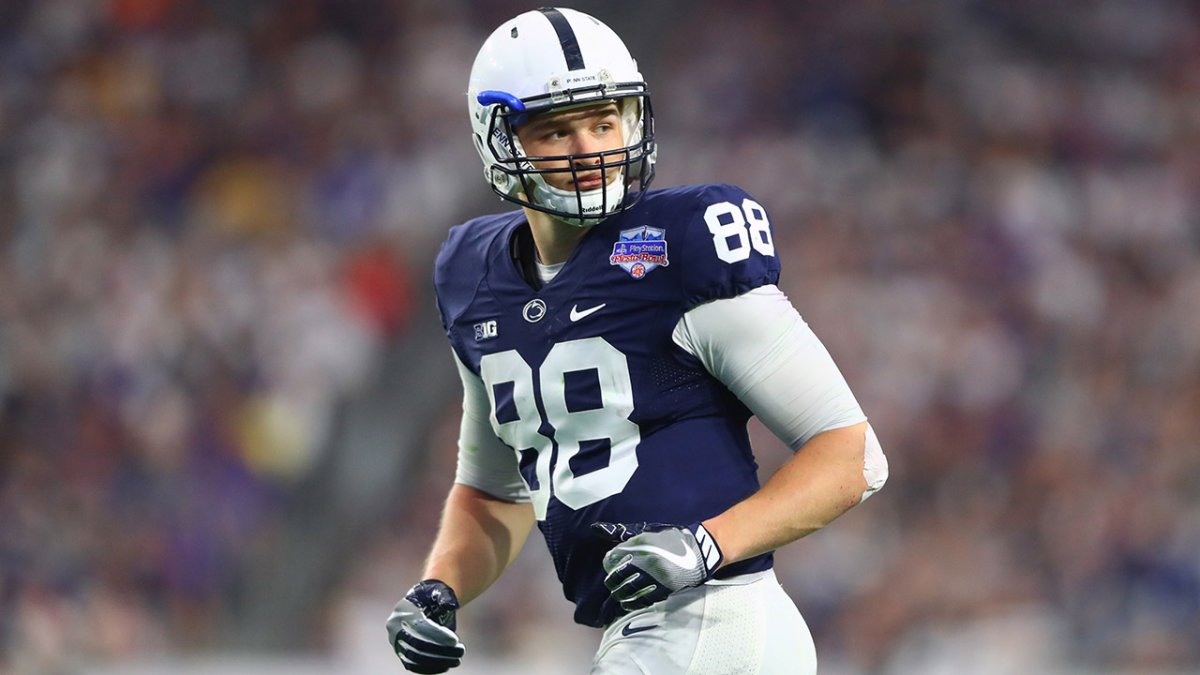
551 59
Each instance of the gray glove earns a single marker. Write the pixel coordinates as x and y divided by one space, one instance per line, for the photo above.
421 628
653 560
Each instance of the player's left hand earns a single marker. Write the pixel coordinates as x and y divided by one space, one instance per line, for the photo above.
421 628
653 560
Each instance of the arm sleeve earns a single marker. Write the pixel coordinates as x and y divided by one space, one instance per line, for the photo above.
484 461
757 345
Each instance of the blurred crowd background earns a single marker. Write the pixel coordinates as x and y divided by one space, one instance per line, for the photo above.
227 418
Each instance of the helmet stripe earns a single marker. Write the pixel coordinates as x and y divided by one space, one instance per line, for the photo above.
566 37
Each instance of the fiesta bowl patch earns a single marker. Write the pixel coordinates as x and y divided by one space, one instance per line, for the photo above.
640 251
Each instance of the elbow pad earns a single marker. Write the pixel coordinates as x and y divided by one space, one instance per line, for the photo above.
875 465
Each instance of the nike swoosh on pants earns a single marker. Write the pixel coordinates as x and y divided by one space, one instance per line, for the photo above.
630 630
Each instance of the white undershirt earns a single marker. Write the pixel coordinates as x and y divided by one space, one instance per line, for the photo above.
755 344
547 272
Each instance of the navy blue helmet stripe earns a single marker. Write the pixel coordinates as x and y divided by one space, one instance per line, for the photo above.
566 37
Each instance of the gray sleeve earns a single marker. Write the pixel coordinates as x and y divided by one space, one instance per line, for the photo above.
484 461
757 345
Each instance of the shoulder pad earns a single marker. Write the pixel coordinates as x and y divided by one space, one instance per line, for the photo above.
725 242
463 261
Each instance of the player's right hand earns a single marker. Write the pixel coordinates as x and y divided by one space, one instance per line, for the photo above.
421 628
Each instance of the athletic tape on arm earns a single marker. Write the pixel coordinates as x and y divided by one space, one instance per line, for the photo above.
875 465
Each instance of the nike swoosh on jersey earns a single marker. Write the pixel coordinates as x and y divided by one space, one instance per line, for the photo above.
630 630
576 314
684 559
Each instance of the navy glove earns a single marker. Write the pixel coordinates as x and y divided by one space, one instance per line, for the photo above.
653 560
421 628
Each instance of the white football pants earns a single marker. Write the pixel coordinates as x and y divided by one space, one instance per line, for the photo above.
744 625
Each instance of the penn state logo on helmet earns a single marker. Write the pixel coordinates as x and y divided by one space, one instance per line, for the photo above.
640 251
548 60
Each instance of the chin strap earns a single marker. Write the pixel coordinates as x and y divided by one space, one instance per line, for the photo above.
609 198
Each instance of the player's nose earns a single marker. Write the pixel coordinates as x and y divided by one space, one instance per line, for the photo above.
584 144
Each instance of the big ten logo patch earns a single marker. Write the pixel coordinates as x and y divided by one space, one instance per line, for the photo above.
485 330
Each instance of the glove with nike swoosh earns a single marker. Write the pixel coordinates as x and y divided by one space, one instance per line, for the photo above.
653 560
421 628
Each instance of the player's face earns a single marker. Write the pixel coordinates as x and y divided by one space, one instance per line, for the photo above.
594 129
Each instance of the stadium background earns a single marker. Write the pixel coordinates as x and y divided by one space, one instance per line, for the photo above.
228 416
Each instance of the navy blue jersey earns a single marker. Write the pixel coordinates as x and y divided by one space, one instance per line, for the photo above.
608 419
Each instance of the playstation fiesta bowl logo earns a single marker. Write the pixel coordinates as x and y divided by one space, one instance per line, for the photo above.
640 251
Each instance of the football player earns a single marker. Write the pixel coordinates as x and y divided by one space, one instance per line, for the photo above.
612 344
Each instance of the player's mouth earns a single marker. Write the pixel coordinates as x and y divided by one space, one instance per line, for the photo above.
591 182
594 180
